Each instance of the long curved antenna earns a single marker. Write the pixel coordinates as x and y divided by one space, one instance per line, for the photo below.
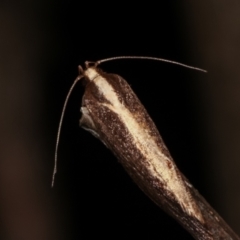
80 76
60 124
150 58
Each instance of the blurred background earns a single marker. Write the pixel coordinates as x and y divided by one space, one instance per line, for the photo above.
197 114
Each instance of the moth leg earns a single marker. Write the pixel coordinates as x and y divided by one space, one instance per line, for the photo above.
87 123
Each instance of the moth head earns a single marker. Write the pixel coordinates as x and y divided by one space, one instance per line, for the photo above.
89 72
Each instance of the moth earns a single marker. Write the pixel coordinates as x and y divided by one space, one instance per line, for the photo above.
112 112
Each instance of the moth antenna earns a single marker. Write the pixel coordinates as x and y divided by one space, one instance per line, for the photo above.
150 58
80 76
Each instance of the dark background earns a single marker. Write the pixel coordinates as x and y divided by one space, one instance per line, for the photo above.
197 114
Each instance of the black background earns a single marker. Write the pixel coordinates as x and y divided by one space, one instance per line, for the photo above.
42 44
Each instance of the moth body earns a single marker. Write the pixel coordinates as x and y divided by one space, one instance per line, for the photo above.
112 112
